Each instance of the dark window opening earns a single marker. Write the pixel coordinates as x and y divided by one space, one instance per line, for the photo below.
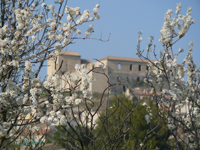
147 68
139 68
138 79
130 66
124 88
119 66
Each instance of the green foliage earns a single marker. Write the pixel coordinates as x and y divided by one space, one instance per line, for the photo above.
126 127
121 126
71 138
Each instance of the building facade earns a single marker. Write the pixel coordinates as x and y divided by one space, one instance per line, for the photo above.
115 74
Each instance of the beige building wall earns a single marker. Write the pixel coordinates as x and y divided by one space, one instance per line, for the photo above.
121 71
101 83
66 61
124 72
50 68
69 59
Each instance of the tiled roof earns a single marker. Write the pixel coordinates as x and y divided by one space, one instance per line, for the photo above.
123 59
69 53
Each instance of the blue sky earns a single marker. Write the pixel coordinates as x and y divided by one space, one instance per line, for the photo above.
123 19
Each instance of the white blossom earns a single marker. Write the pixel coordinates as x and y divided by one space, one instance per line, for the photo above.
52 7
147 118
59 37
43 4
87 33
78 31
28 65
58 46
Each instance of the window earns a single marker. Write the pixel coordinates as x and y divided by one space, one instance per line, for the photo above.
118 78
130 66
119 66
139 68
138 79
124 88
92 66
147 68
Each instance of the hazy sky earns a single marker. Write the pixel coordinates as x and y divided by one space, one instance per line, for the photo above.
123 19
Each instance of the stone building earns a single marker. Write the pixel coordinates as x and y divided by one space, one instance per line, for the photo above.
116 72
66 60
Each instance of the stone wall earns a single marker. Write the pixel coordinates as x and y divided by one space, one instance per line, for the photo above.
101 83
69 62
123 72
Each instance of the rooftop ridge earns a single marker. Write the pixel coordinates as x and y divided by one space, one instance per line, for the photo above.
124 59
71 53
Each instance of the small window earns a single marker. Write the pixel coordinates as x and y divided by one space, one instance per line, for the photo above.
124 88
130 66
119 66
139 68
93 66
118 78
138 79
147 68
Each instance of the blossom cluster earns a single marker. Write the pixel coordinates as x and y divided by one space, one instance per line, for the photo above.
175 93
60 103
182 23
149 115
31 32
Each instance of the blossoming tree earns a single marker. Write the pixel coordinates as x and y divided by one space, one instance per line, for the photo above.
30 33
173 91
